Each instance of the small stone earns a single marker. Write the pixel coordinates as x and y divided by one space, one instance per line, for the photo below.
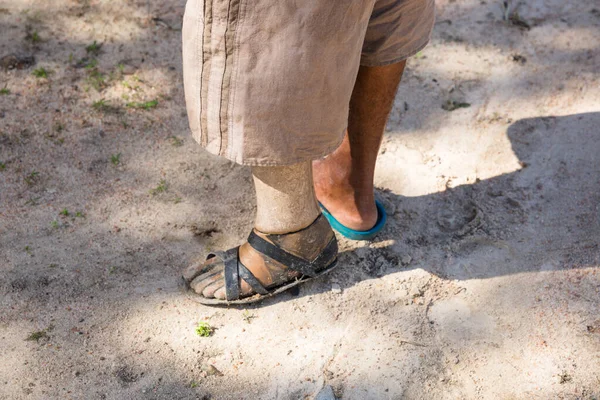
211 370
406 259
415 292
18 61
326 394
335 288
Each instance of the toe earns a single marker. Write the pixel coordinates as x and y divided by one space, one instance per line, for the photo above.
201 282
220 293
209 291
198 268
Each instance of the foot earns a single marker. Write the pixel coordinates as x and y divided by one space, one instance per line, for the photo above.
207 278
345 190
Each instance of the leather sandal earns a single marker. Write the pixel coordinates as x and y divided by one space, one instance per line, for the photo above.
285 258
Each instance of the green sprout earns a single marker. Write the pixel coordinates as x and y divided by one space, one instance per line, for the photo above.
54 224
148 105
31 178
40 72
247 316
96 79
175 141
94 48
33 201
203 329
162 187
99 105
37 335
92 63
4 91
34 37
115 159
452 105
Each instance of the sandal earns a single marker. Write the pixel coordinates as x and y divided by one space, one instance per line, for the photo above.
354 234
283 259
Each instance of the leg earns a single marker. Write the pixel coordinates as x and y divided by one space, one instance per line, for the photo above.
285 198
344 180
288 216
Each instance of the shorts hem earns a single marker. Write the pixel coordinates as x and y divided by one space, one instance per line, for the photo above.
404 56
253 162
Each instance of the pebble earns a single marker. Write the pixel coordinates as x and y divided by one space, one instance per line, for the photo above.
406 259
335 288
211 370
415 292
326 394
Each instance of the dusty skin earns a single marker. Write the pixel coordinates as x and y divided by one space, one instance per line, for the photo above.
485 284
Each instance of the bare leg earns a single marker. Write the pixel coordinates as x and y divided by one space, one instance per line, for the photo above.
344 180
286 204
285 198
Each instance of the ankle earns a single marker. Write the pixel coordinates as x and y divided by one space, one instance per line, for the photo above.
265 228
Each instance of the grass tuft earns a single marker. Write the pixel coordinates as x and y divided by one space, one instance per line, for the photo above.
96 79
91 64
33 37
452 105
99 105
40 72
247 316
147 105
93 48
4 91
37 335
115 159
175 141
161 188
203 329
32 178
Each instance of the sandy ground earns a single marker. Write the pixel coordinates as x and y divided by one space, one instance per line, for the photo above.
485 284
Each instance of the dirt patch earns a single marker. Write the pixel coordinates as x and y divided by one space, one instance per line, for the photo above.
485 283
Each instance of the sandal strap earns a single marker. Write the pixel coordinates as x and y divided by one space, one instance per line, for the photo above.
233 269
231 274
328 253
291 261
250 279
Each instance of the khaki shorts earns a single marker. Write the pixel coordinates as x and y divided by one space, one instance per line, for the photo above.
268 82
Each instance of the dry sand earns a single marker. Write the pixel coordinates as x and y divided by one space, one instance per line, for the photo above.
485 284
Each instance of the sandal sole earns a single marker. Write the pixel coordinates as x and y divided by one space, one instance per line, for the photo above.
258 297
